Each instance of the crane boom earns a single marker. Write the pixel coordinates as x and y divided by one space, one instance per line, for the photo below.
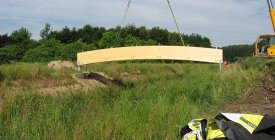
272 13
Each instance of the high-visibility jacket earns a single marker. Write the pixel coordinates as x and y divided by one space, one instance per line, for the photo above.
229 126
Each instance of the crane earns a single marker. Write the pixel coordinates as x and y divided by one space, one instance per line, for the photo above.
265 43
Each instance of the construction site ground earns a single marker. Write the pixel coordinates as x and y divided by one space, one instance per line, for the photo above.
260 101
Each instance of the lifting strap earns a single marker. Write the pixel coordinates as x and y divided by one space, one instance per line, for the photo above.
123 19
175 22
126 12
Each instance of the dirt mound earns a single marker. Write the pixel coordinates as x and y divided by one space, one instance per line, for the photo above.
101 78
84 81
57 65
261 101
80 82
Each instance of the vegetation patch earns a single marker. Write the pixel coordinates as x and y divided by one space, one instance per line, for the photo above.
1 76
163 98
33 75
64 44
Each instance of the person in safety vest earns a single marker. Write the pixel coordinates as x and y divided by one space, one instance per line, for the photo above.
230 126
226 65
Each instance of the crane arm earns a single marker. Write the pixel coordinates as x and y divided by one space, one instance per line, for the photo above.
272 13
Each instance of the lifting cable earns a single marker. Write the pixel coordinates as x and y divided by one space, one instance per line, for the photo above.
126 12
175 22
123 19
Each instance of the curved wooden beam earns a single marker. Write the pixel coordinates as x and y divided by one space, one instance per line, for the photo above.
151 52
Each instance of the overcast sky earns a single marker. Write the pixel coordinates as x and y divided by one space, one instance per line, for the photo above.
225 22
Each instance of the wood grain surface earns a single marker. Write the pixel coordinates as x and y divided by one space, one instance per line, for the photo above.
199 54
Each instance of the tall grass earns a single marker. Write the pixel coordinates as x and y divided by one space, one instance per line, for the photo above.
164 97
29 74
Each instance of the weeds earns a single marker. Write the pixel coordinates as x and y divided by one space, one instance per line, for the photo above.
164 97
32 74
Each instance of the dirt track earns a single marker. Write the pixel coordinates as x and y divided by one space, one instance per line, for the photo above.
260 101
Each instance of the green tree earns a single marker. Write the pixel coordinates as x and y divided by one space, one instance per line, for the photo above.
5 40
50 43
132 41
40 54
135 41
98 34
15 52
87 34
21 35
128 30
44 33
150 42
197 40
10 53
110 40
66 35
174 39
142 33
160 35
69 51
48 50
235 52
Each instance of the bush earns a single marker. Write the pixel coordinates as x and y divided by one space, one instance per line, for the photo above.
15 52
68 52
40 54
235 52
52 49
47 51
271 65
10 53
253 63
21 35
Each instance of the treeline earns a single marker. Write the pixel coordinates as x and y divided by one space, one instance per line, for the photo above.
233 53
65 43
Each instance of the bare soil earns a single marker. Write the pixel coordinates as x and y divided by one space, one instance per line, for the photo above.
57 65
85 81
260 101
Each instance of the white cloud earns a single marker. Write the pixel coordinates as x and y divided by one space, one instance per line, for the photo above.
223 21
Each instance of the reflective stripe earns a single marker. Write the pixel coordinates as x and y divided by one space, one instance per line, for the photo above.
232 116
248 121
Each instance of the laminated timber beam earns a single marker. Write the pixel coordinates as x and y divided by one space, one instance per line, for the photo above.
199 54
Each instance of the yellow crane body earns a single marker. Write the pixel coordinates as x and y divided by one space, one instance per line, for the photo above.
265 43
268 49
272 13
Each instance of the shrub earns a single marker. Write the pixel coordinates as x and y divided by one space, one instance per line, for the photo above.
41 54
68 52
15 52
235 52
45 52
253 63
271 65
10 53
21 35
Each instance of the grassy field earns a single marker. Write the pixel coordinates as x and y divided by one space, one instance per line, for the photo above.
156 102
